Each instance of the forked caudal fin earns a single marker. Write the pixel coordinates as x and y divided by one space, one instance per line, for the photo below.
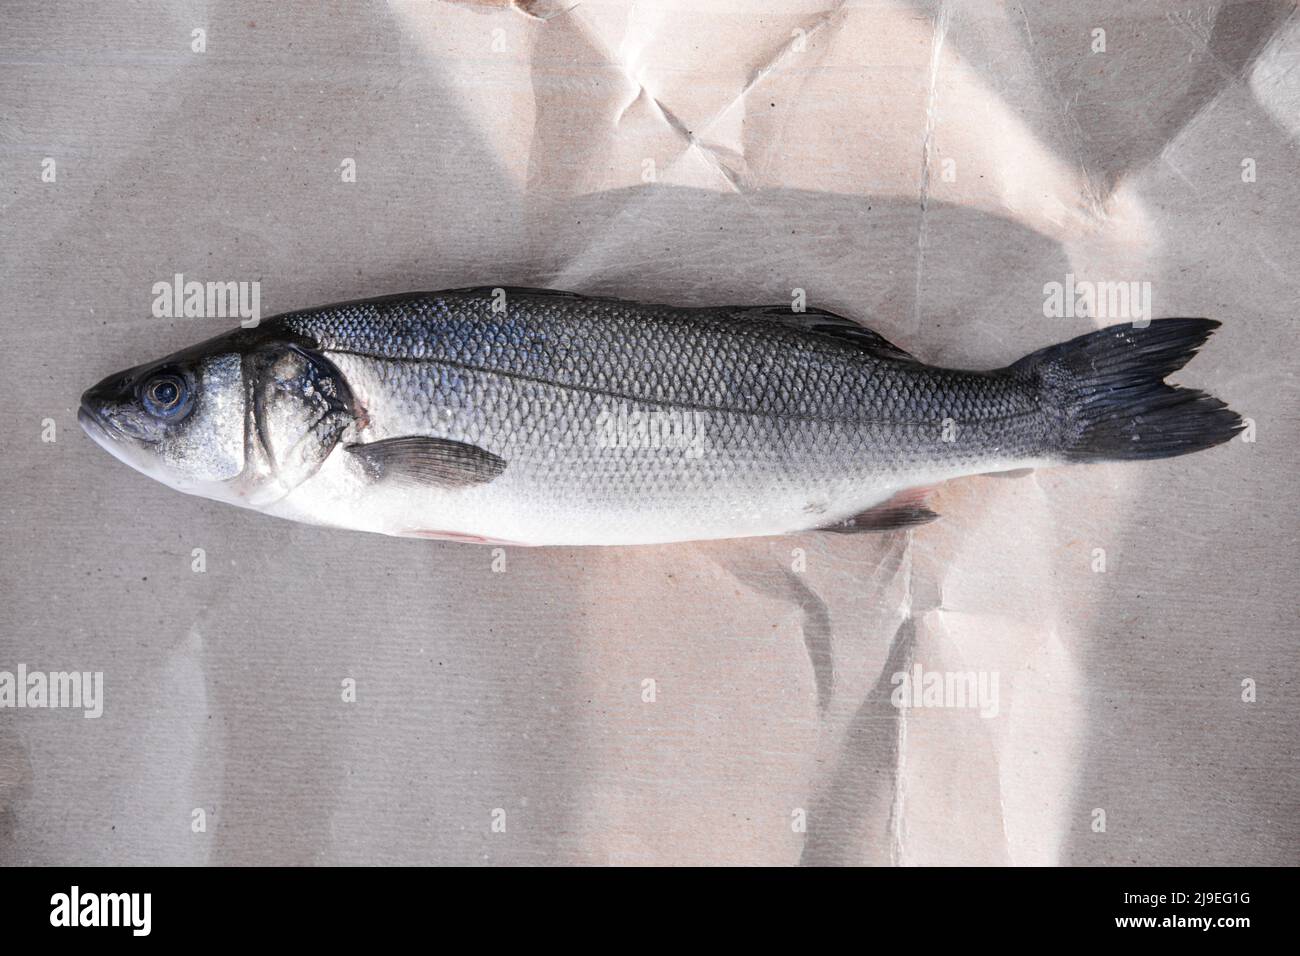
1108 389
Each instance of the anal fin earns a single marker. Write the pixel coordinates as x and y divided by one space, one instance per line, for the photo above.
905 509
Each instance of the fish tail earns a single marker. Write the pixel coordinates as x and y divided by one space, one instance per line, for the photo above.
1106 398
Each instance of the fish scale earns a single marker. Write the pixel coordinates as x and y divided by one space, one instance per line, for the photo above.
714 360
794 427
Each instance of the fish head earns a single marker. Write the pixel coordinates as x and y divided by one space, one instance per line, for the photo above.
241 418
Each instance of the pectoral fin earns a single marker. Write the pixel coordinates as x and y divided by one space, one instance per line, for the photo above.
432 462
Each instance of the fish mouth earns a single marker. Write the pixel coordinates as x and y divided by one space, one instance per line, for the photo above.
105 433
103 425
96 426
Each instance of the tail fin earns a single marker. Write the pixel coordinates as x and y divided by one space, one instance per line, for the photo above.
1106 392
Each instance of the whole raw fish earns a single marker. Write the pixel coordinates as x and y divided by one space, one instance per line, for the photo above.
537 417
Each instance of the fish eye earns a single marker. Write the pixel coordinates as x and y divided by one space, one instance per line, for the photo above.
166 395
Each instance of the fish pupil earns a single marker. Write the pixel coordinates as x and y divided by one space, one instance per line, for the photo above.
165 393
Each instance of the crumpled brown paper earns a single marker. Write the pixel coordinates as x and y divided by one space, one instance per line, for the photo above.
925 168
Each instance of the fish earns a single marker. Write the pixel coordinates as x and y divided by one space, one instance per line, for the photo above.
501 415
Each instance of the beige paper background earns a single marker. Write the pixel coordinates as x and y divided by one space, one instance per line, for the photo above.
794 145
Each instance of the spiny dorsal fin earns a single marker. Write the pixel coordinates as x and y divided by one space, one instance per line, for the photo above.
818 321
511 290
491 291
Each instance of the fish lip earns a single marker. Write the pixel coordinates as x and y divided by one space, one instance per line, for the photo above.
95 425
100 426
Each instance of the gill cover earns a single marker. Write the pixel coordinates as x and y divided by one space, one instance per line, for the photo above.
300 406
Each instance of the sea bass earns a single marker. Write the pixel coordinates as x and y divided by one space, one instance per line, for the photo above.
533 417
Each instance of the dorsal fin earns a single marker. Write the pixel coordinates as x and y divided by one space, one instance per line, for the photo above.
834 326
509 290
818 321
513 290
